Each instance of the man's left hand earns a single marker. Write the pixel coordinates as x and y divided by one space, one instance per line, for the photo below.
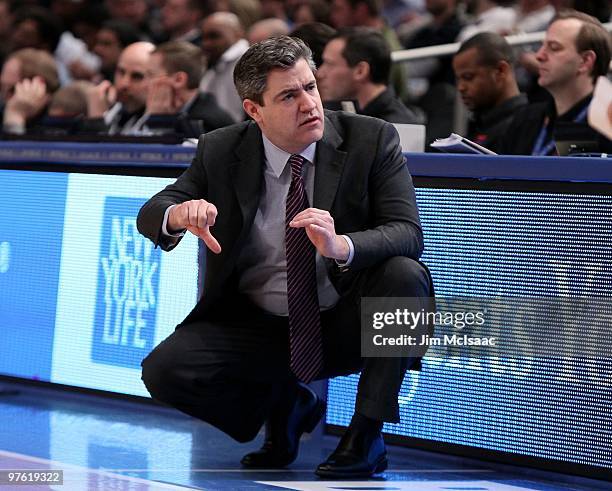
319 226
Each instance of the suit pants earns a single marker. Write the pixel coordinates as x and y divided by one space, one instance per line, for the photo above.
232 368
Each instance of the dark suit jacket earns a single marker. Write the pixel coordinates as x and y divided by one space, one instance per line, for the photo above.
388 107
202 116
360 177
489 128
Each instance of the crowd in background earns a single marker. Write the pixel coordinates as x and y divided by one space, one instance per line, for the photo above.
160 67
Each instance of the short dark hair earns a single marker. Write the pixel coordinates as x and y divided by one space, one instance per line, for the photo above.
125 32
181 56
591 36
49 25
369 45
251 71
491 47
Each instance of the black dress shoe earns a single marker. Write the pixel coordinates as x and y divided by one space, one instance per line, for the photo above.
359 454
284 429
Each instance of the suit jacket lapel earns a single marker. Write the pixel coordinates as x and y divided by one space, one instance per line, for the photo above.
247 174
328 167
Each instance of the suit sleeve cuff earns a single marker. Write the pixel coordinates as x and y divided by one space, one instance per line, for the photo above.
165 223
347 263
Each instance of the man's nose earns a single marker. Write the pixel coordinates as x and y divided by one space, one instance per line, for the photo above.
307 102
540 54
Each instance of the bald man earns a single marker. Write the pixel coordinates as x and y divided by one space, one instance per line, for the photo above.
223 44
118 108
267 28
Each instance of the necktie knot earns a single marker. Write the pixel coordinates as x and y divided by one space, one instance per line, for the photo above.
297 163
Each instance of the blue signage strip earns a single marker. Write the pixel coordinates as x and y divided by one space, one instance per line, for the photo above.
31 230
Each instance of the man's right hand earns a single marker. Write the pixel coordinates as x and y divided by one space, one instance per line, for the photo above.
197 216
29 100
100 98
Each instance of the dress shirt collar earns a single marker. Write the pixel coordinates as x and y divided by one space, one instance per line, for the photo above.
277 159
235 51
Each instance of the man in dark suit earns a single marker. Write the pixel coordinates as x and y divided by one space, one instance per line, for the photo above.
284 280
356 66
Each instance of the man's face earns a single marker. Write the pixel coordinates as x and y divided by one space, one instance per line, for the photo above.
131 79
26 34
107 47
559 61
341 14
477 84
11 74
175 15
217 38
335 76
134 11
291 116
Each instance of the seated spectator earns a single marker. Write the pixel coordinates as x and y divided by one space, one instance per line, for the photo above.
368 13
489 16
111 39
247 11
29 77
173 103
356 65
89 22
70 101
36 27
485 80
181 19
119 108
316 35
67 109
267 28
223 44
575 51
137 14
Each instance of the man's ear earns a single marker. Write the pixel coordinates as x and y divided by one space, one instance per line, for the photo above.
179 80
252 109
588 61
502 70
361 71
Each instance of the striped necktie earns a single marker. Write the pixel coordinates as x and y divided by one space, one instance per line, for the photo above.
304 320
